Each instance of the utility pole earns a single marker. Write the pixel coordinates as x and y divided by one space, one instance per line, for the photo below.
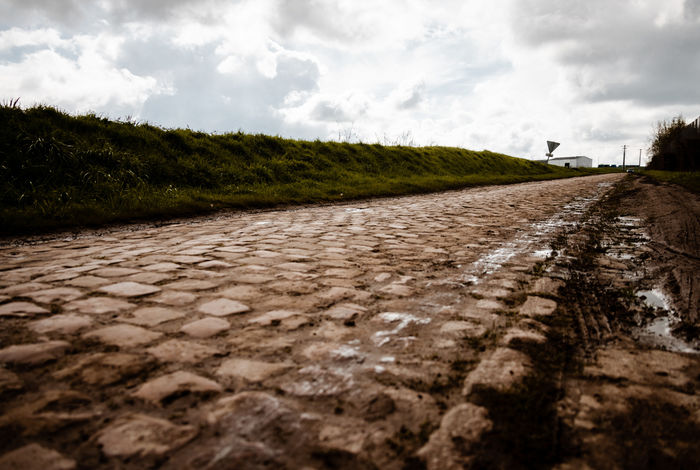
640 158
624 151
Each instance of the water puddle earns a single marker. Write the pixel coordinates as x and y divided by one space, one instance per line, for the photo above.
318 381
402 320
345 352
659 332
543 253
621 255
654 298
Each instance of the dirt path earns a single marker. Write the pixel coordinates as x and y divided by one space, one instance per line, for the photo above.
415 331
672 219
629 394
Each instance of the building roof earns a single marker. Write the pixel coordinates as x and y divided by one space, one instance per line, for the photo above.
569 158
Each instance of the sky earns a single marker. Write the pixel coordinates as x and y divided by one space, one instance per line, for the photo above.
502 75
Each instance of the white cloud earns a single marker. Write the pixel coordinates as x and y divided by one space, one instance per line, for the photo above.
18 37
504 75
231 65
88 81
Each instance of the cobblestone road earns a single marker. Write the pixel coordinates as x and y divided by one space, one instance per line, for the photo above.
321 337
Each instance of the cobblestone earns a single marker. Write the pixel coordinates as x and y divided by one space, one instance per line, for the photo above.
537 306
163 387
20 309
65 324
129 289
123 335
104 368
501 370
223 307
9 381
99 305
279 338
460 429
59 294
206 327
176 350
142 435
36 353
152 316
35 457
250 370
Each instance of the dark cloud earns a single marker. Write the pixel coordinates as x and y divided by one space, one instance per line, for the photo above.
691 10
324 18
154 10
414 97
34 13
610 132
616 50
82 16
296 74
330 112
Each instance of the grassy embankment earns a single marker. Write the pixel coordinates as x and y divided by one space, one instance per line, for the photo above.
61 171
690 180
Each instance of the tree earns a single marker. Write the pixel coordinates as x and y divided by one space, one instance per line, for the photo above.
674 146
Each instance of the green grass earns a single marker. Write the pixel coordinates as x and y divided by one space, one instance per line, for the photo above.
690 180
62 171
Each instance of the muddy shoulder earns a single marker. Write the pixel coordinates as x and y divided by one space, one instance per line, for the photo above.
628 318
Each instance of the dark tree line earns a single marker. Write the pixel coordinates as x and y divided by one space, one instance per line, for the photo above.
676 145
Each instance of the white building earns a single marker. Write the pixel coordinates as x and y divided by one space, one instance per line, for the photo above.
572 162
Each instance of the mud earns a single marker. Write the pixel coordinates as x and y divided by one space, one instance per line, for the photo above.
630 400
671 218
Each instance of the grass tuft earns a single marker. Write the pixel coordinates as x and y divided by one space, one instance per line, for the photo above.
690 180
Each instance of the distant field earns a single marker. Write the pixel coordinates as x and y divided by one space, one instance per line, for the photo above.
61 171
690 180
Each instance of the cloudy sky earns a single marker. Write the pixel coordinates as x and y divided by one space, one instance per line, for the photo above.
503 75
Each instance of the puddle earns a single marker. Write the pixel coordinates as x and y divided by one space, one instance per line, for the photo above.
621 255
629 222
659 332
402 320
347 352
492 262
654 298
320 382
542 253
